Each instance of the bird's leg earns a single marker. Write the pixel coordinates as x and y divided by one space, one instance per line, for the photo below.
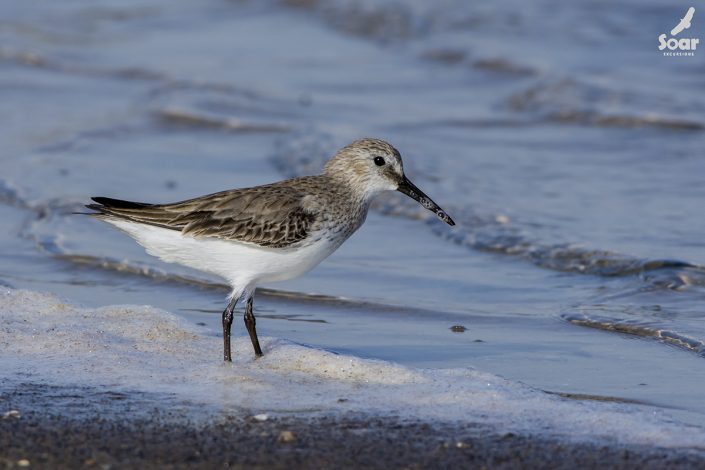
227 322
250 324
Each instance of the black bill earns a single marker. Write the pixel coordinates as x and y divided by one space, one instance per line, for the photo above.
408 188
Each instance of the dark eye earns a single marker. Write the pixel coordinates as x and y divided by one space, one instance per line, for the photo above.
379 161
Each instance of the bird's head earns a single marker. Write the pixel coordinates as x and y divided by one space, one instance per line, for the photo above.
370 166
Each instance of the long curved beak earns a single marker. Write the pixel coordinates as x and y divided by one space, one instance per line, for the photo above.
408 188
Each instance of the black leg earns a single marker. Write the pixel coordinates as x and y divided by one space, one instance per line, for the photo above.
227 322
250 324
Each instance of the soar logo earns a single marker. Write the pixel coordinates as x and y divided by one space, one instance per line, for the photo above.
683 46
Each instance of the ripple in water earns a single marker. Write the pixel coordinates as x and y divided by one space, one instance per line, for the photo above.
636 329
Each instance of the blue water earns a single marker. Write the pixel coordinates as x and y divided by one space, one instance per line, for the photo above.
566 146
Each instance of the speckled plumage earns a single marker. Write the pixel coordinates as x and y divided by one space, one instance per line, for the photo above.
271 232
279 215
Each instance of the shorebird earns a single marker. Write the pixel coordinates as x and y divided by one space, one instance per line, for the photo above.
267 233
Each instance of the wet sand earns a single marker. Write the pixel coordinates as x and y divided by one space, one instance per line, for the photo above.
76 428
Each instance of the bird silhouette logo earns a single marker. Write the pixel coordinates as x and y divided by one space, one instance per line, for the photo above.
684 22
679 46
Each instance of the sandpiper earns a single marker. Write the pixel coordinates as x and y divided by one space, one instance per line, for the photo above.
267 233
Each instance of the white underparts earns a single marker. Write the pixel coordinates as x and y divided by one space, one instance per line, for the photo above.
243 265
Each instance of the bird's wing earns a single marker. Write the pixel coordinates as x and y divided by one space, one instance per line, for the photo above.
270 216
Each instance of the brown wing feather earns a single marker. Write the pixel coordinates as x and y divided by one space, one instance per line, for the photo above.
270 216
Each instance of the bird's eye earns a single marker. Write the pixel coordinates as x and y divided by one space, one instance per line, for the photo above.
379 161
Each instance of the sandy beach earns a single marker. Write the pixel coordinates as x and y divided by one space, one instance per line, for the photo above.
74 431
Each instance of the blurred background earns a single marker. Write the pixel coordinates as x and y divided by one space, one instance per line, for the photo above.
568 148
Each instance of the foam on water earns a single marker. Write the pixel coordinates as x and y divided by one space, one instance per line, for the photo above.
140 348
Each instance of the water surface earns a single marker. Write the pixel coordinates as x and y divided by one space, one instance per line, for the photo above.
567 148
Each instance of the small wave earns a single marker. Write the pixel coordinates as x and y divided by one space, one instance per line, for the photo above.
636 329
679 278
34 59
378 21
447 56
165 81
602 398
493 234
569 101
499 65
187 118
504 66
596 119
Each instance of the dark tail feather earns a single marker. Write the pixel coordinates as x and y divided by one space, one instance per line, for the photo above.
140 212
116 204
115 207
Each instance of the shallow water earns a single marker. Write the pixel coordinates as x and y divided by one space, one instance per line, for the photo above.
567 148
